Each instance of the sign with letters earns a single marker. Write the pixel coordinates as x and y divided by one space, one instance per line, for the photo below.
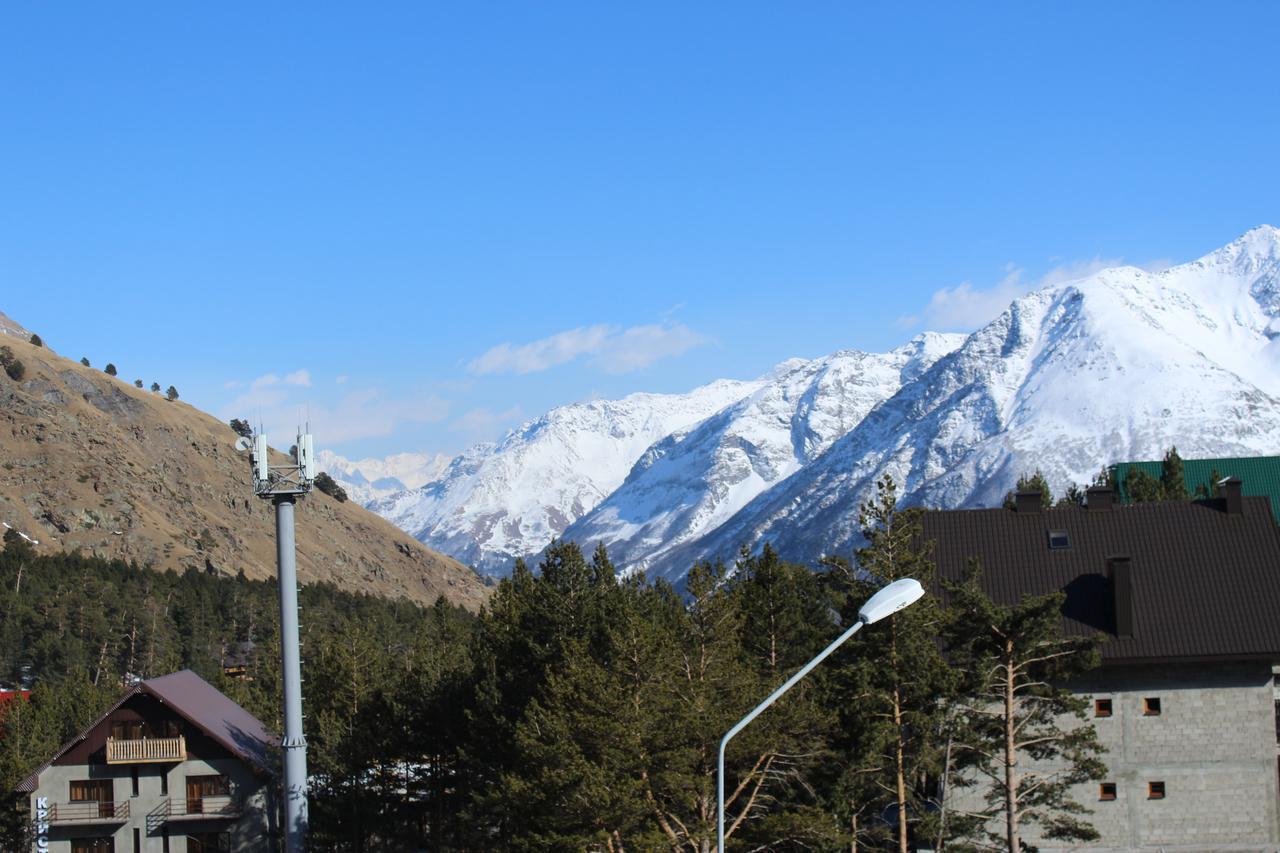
42 823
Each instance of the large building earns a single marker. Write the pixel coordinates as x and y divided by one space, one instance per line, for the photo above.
173 767
1187 597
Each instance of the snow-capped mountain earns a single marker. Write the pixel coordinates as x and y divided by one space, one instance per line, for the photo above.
690 482
1119 365
366 480
496 502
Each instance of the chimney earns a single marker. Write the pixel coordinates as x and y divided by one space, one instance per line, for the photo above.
1099 498
1027 502
1229 491
1120 573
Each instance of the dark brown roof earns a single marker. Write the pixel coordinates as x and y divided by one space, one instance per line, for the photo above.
1206 583
204 706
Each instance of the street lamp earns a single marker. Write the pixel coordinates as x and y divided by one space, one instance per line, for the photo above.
886 602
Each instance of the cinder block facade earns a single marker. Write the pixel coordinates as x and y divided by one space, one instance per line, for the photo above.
1210 749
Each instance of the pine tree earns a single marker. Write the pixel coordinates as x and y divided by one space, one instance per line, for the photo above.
892 688
1015 660
12 365
110 369
1141 487
155 387
171 394
1073 496
85 361
1173 483
137 383
1030 483
36 341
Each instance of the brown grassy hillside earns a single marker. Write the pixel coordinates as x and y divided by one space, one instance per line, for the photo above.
89 461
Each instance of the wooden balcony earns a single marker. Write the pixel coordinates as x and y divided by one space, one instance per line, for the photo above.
154 750
89 811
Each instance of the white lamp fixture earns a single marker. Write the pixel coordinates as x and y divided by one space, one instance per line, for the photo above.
888 601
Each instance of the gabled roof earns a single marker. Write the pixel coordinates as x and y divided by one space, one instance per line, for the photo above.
202 705
1205 582
1260 475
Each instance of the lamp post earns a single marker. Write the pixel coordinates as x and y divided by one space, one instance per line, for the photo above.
886 602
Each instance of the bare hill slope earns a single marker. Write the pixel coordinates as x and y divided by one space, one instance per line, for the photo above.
88 461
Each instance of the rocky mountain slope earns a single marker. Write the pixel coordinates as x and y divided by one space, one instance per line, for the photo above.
689 483
90 462
496 502
1119 365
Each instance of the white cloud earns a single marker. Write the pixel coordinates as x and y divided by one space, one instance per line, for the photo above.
609 348
359 413
301 378
965 307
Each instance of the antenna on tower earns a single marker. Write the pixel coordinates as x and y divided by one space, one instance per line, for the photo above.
283 485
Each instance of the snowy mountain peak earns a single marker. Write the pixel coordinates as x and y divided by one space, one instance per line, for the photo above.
1117 365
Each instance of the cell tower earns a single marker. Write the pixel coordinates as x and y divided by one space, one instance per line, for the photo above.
283 485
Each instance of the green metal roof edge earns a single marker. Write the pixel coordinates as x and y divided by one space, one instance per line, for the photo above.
1260 475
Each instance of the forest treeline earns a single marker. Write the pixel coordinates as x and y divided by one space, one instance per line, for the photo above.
579 711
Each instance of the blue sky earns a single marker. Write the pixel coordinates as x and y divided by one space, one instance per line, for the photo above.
426 222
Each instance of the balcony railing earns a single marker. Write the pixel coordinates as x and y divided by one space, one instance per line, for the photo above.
89 811
203 808
146 750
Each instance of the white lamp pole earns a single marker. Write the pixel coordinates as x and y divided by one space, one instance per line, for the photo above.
886 602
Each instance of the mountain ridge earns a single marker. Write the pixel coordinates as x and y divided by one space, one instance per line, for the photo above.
90 462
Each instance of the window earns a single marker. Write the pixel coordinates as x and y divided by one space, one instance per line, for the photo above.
200 787
209 842
137 840
1058 540
133 777
91 791
1107 791
98 791
1102 707
164 782
1151 706
93 845
139 729
1155 790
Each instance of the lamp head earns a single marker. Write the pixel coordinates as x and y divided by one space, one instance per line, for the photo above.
890 600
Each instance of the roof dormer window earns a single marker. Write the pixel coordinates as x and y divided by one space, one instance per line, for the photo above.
1058 540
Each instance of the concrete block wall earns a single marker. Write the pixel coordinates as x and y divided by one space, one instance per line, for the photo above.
1213 745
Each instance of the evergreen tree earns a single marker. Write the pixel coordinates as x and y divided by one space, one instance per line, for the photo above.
892 689
85 361
1141 487
171 394
137 383
36 341
241 428
330 487
155 387
110 369
1173 483
1073 496
12 365
1012 733
1030 483
1209 489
